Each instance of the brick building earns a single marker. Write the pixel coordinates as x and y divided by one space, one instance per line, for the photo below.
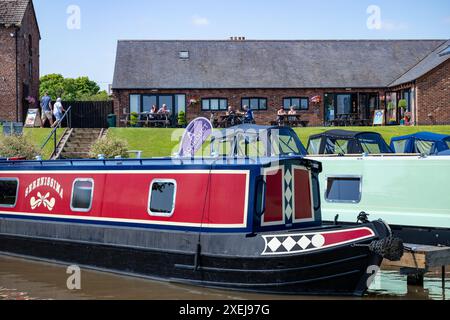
19 58
349 77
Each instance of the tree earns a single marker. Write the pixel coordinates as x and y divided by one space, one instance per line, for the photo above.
69 89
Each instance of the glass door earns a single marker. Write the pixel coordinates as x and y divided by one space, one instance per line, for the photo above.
148 102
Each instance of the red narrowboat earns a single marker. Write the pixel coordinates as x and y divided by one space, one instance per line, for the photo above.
227 222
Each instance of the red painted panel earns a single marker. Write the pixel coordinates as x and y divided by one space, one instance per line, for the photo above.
302 195
346 235
274 197
220 199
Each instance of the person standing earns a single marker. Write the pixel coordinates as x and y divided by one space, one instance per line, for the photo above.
248 115
58 111
46 110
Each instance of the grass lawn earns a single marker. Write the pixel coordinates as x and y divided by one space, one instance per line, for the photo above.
158 142
37 136
163 142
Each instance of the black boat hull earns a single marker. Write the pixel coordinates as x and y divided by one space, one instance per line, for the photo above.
343 270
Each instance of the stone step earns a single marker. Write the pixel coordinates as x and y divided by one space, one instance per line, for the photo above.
75 155
93 135
81 140
75 149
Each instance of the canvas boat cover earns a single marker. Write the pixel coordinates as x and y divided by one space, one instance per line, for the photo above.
421 142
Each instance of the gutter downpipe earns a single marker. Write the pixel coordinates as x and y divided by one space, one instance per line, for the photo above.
17 75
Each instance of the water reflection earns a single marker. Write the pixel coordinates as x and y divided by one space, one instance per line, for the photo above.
29 280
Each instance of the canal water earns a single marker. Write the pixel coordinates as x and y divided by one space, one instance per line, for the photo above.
22 279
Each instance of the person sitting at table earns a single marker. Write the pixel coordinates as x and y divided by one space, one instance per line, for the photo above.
163 110
231 116
153 112
248 115
292 112
280 115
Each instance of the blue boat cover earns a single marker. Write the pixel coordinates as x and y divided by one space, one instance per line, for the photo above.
421 142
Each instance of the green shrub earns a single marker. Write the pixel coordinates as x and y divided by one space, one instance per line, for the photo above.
134 119
110 147
390 106
403 104
182 118
17 146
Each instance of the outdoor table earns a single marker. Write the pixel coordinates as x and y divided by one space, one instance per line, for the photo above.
230 120
292 120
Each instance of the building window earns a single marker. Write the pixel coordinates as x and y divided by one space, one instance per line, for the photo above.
297 103
214 104
254 103
183 55
30 45
135 103
82 194
8 192
162 198
343 189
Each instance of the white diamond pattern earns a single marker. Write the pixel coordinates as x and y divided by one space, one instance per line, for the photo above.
288 211
289 243
288 177
274 244
304 242
288 194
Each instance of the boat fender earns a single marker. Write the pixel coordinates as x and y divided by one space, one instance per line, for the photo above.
390 248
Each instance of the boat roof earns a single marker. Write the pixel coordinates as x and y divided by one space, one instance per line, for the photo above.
343 134
247 128
141 164
428 136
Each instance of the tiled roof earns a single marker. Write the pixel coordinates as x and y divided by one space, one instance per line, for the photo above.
267 64
12 11
434 59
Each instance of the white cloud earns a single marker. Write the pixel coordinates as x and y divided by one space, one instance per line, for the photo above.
200 21
390 25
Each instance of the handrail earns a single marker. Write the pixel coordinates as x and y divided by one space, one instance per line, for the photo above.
53 133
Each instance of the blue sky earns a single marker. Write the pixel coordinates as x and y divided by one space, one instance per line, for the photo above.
90 49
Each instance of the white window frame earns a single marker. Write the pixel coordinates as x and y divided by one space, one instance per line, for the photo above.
344 177
73 192
17 193
161 214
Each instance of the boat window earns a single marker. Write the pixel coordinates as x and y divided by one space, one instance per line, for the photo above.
8 192
448 143
424 147
284 144
82 195
162 198
370 146
343 189
336 146
400 146
314 146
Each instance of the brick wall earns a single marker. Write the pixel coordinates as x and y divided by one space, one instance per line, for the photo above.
8 67
433 96
7 74
315 114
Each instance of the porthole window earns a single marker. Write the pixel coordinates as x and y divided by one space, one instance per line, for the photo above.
8 192
82 195
343 189
162 198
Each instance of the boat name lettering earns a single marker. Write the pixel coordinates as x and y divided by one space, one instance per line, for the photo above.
45 182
